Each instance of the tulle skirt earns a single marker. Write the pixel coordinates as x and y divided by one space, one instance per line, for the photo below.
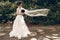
19 29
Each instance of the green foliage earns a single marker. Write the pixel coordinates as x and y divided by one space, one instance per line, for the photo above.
8 7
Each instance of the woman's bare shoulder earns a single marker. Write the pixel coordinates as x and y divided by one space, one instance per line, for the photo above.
17 9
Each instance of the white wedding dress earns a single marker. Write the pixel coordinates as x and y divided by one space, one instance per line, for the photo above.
19 29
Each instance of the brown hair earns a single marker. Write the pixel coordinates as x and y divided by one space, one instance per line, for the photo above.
19 2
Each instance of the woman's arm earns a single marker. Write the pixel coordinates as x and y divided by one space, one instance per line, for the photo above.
17 12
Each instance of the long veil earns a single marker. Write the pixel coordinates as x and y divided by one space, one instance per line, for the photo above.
38 12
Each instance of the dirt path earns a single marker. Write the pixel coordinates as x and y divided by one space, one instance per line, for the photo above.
39 32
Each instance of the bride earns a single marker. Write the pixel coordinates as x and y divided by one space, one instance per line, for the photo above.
19 29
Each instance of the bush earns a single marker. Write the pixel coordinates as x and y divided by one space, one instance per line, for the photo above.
8 7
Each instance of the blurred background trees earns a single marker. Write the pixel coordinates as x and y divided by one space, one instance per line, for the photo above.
8 7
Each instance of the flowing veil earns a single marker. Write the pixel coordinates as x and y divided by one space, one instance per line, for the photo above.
38 12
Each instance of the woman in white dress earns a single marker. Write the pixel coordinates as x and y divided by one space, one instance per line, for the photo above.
19 29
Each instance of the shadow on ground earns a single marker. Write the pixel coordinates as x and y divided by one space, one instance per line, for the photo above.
39 32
